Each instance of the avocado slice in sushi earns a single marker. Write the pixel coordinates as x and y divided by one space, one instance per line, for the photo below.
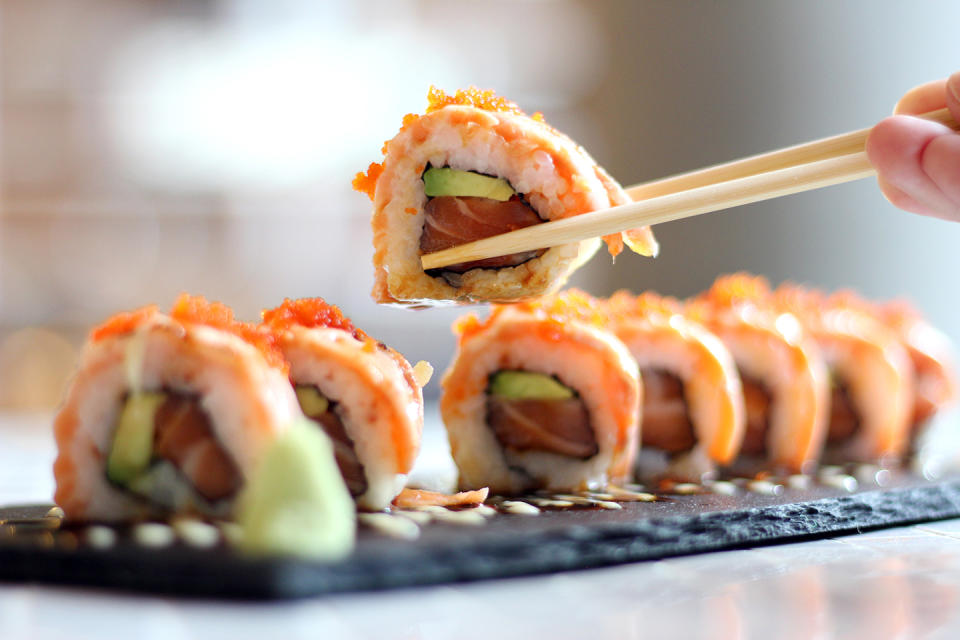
296 502
453 182
312 402
133 442
521 385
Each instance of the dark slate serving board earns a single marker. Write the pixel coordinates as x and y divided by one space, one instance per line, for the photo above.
35 547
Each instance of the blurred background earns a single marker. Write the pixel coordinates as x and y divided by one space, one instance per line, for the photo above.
152 147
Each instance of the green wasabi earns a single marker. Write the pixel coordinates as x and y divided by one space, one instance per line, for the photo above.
296 502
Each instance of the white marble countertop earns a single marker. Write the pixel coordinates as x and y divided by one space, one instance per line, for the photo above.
893 583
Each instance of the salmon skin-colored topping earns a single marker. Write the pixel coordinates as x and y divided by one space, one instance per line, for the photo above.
194 310
309 313
560 309
410 498
183 436
452 220
198 310
124 322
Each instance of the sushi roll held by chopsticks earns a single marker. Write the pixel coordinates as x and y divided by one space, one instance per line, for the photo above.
541 396
471 167
365 396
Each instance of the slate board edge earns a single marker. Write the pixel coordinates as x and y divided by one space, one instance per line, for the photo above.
193 573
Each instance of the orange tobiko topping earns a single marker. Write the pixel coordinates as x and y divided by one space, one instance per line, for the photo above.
572 305
738 288
310 313
624 303
366 182
198 310
123 322
485 99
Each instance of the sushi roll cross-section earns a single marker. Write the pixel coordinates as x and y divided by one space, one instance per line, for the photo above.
365 396
693 411
175 414
541 396
474 166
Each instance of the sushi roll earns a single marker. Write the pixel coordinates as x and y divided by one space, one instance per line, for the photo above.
364 395
871 375
541 396
168 414
782 372
471 167
693 408
931 354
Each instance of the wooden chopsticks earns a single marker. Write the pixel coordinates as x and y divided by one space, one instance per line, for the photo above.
762 177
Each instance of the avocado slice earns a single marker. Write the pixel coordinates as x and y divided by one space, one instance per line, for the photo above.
453 182
521 385
133 440
296 502
312 402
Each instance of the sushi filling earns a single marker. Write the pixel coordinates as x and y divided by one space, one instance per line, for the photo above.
666 418
757 400
844 419
165 450
534 412
455 215
327 414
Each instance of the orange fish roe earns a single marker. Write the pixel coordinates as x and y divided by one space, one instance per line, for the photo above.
798 300
198 310
572 305
484 99
738 288
366 182
648 303
310 313
123 322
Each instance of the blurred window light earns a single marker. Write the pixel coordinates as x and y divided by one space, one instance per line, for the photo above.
280 103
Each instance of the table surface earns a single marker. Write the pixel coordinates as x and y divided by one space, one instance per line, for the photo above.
893 583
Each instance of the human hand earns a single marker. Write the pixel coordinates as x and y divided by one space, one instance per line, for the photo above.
918 161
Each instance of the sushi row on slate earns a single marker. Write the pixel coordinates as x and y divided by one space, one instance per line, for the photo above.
564 393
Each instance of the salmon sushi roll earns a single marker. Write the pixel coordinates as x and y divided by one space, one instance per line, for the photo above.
473 166
364 395
693 408
541 396
168 414
931 354
871 375
782 373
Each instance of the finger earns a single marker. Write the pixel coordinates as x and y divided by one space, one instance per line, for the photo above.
927 97
901 200
941 162
953 95
896 147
